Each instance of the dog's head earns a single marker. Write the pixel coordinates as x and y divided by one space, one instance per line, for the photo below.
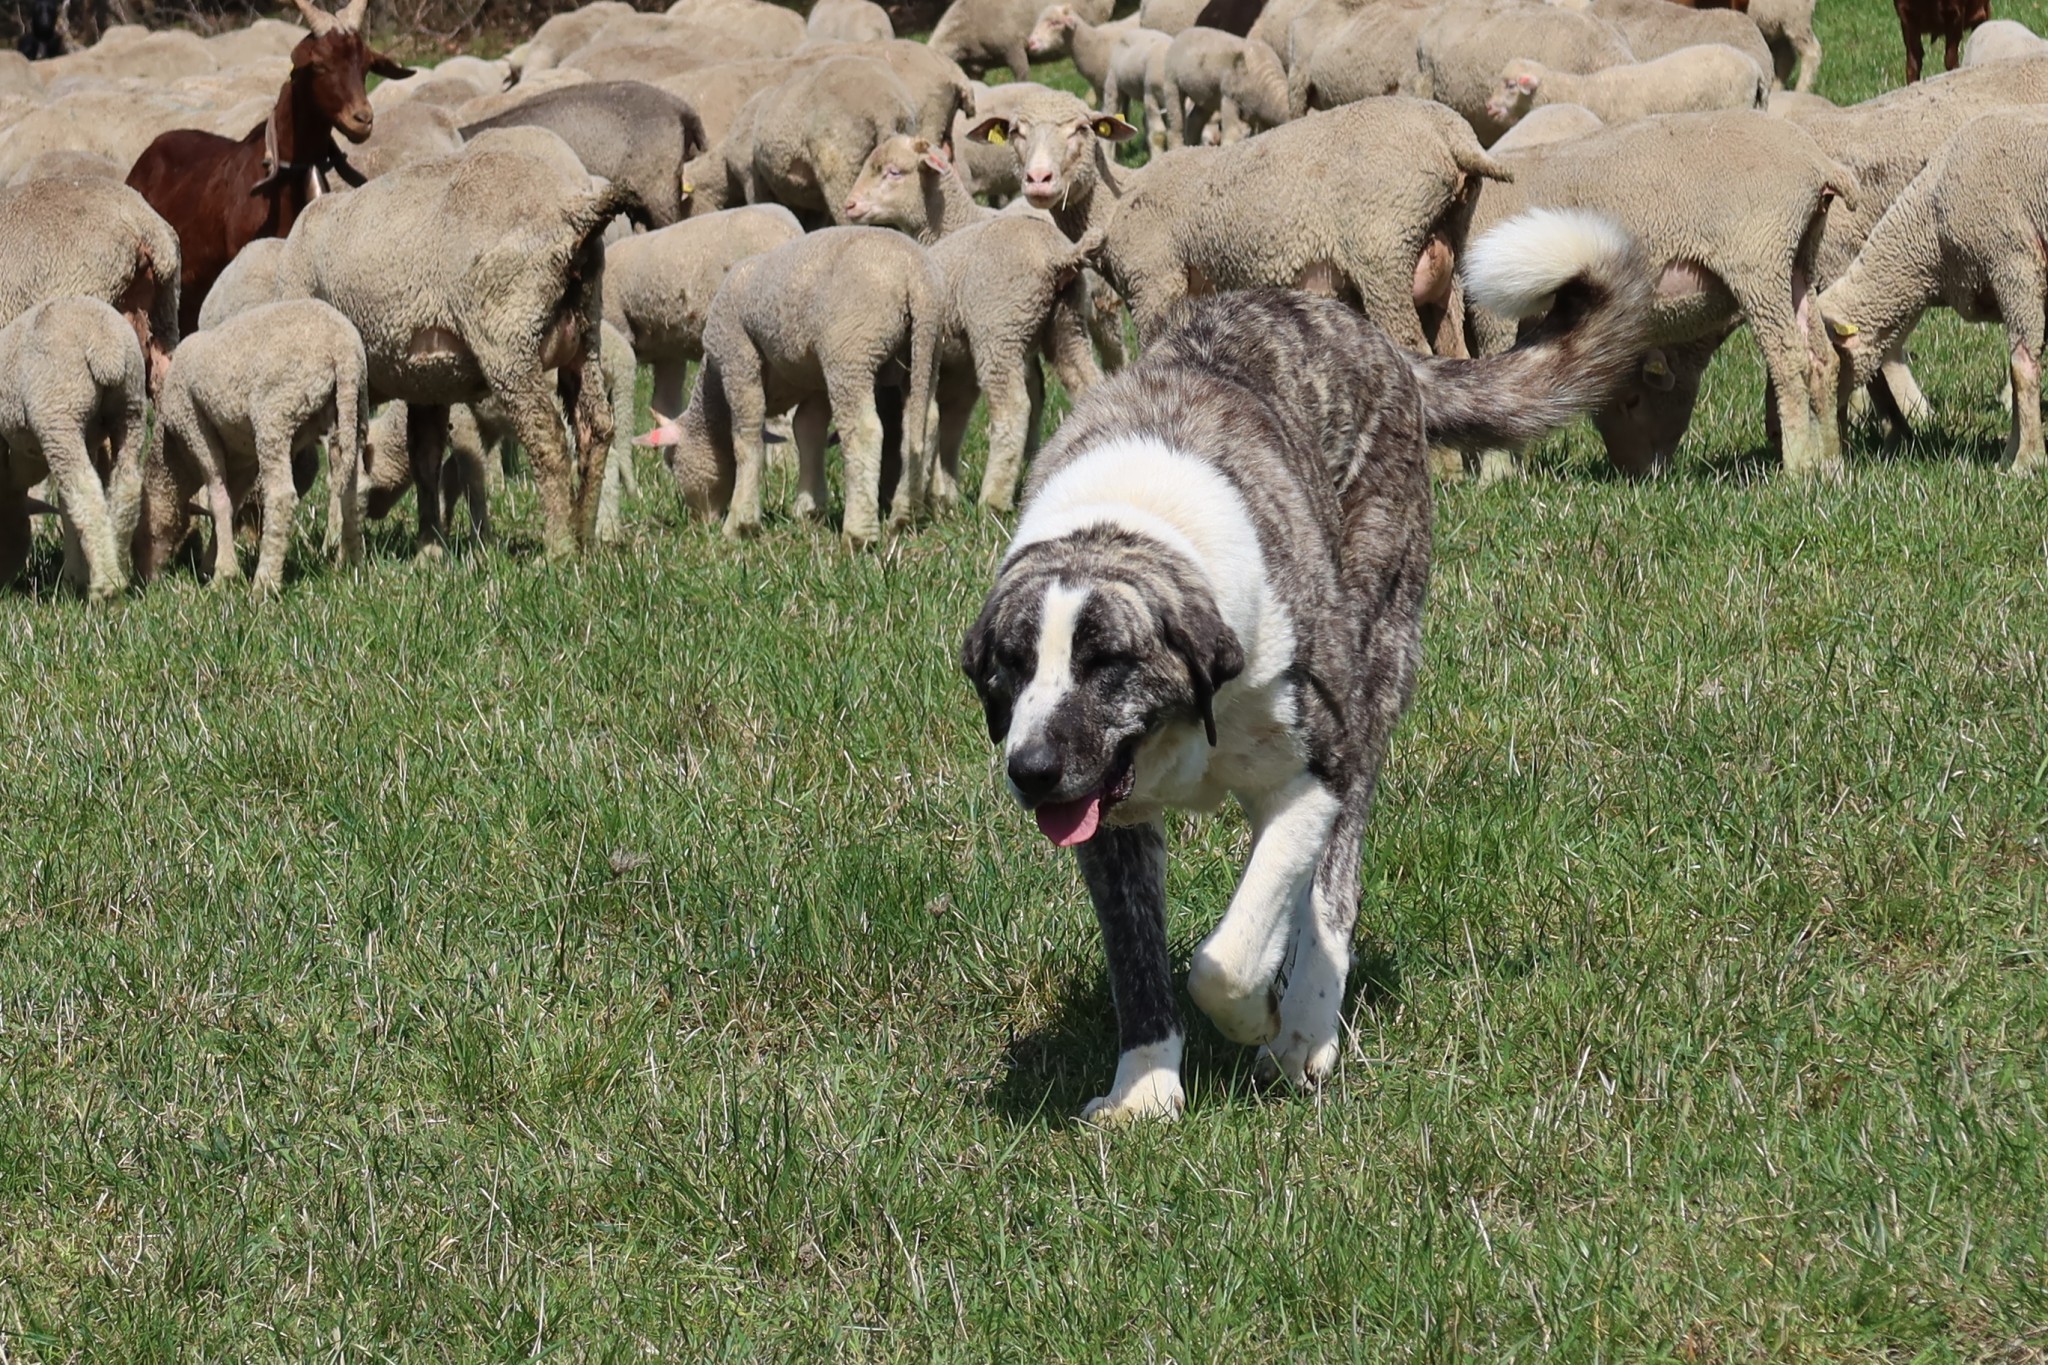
1089 644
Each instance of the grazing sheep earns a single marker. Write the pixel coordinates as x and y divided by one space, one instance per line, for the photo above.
1061 31
718 92
1061 147
1655 28
1014 288
816 325
241 403
849 21
1461 50
1212 74
473 277
633 135
811 133
1296 208
1371 53
2002 38
1787 26
71 396
1688 80
980 34
94 238
658 286
1551 123
1966 234
249 282
1733 204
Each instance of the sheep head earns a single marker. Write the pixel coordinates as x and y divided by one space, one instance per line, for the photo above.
1055 137
1517 93
891 188
1053 33
331 67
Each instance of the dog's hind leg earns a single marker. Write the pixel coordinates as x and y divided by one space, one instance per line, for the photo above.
1304 1049
1235 968
1126 874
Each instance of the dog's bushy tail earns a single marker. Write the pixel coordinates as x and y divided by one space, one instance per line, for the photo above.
1590 283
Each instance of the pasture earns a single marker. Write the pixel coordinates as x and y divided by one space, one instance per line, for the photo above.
638 959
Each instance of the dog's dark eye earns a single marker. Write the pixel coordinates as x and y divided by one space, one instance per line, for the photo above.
1010 660
1110 661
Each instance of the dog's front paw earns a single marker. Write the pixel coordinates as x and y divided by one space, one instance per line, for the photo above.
1303 1060
1147 1087
1244 1011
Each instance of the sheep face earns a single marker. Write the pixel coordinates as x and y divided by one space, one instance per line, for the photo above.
1053 33
1056 155
1516 94
891 187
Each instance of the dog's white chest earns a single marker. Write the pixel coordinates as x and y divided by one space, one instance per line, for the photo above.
1257 750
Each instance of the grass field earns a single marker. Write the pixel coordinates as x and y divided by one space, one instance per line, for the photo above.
638 960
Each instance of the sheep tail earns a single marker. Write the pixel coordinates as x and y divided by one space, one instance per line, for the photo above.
1840 182
1472 159
1584 289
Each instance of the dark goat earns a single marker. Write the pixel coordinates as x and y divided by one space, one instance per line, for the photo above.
219 195
42 37
1232 16
1950 20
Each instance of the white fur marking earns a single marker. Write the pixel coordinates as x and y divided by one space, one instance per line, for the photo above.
1515 269
1147 1086
1053 677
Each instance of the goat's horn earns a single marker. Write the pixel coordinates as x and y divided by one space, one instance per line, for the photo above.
319 20
353 14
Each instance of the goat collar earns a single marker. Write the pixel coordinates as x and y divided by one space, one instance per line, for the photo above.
275 171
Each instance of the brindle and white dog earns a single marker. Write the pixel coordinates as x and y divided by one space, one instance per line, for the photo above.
1216 590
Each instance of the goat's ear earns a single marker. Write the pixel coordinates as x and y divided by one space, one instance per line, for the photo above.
1111 127
381 65
1196 631
993 131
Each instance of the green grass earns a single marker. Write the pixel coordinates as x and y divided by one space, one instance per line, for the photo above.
637 959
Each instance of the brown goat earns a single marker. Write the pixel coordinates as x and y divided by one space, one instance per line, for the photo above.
219 195
1950 20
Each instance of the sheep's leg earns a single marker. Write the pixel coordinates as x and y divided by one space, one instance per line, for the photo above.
584 397
124 441
1232 119
1780 323
1009 417
532 407
209 453
1018 58
1808 48
344 536
86 515
426 446
1175 113
280 501
860 442
748 403
2019 294
1158 133
1952 44
668 386
810 425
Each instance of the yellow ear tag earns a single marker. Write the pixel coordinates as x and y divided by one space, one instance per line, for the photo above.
1844 330
1104 128
997 137
688 188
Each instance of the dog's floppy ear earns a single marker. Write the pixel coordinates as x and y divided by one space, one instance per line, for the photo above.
1194 629
977 663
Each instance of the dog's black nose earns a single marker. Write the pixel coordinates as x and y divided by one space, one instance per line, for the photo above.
1035 770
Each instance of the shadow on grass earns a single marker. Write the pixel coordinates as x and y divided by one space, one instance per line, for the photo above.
1049 1073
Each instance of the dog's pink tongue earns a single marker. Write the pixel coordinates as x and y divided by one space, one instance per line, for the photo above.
1067 823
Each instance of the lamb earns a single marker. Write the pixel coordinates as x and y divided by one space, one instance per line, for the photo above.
1966 234
980 34
1692 78
1061 147
849 21
71 398
1460 52
1169 16
659 285
1369 54
811 133
633 135
98 239
473 277
250 281
1733 204
718 92
1212 74
242 401
1276 22
1787 26
1137 67
1062 32
1013 289
815 324
2002 38
1655 28
1296 207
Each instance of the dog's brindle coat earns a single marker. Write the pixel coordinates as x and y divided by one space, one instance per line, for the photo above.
1216 589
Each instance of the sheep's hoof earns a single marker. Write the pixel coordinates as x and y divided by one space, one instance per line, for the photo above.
742 530
223 576
266 589
433 552
857 541
104 590
2026 469
806 508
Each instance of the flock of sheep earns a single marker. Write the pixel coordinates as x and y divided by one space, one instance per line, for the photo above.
805 209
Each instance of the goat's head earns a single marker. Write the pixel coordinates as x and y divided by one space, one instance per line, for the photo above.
333 62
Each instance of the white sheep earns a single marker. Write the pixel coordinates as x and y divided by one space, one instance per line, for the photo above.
1965 234
242 401
848 21
1787 25
1212 74
1459 53
1063 157
1653 28
1999 39
816 325
1551 123
979 34
71 412
1366 54
1062 31
810 134
1692 79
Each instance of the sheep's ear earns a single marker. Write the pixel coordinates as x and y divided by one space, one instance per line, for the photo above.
1112 128
993 131
1526 83
664 433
